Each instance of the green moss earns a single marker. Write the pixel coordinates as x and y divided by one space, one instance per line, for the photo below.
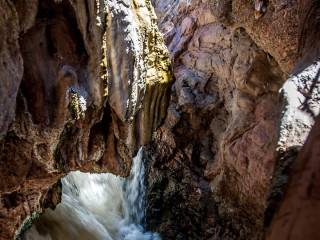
27 224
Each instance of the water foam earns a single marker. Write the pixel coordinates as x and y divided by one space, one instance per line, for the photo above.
97 207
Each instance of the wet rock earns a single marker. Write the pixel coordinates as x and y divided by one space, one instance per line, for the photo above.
82 89
86 83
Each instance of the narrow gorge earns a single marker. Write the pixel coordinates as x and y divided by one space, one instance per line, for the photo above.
221 97
97 206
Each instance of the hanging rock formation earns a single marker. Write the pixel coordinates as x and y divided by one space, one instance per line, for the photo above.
83 83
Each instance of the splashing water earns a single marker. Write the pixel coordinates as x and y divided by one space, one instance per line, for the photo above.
97 207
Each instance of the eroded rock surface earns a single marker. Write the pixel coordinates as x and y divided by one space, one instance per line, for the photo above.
230 59
298 214
85 83
69 112
289 213
11 67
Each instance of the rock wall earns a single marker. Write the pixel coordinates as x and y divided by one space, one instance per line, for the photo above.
215 153
297 217
292 205
83 83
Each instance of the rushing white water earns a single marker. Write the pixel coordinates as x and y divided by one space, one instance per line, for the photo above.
97 207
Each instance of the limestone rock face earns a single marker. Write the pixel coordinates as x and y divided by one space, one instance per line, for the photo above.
230 59
139 66
84 84
77 91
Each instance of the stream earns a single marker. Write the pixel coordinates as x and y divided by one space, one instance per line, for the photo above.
97 207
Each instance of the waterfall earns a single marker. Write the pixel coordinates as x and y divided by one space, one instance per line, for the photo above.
97 207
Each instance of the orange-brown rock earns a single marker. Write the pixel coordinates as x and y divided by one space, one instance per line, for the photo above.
85 83
60 68
293 206
230 59
298 214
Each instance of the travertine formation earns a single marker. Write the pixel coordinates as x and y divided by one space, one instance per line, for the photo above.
83 83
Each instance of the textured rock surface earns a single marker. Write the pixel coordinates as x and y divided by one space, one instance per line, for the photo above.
85 83
296 219
215 152
11 67
298 104
141 57
298 214
61 118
